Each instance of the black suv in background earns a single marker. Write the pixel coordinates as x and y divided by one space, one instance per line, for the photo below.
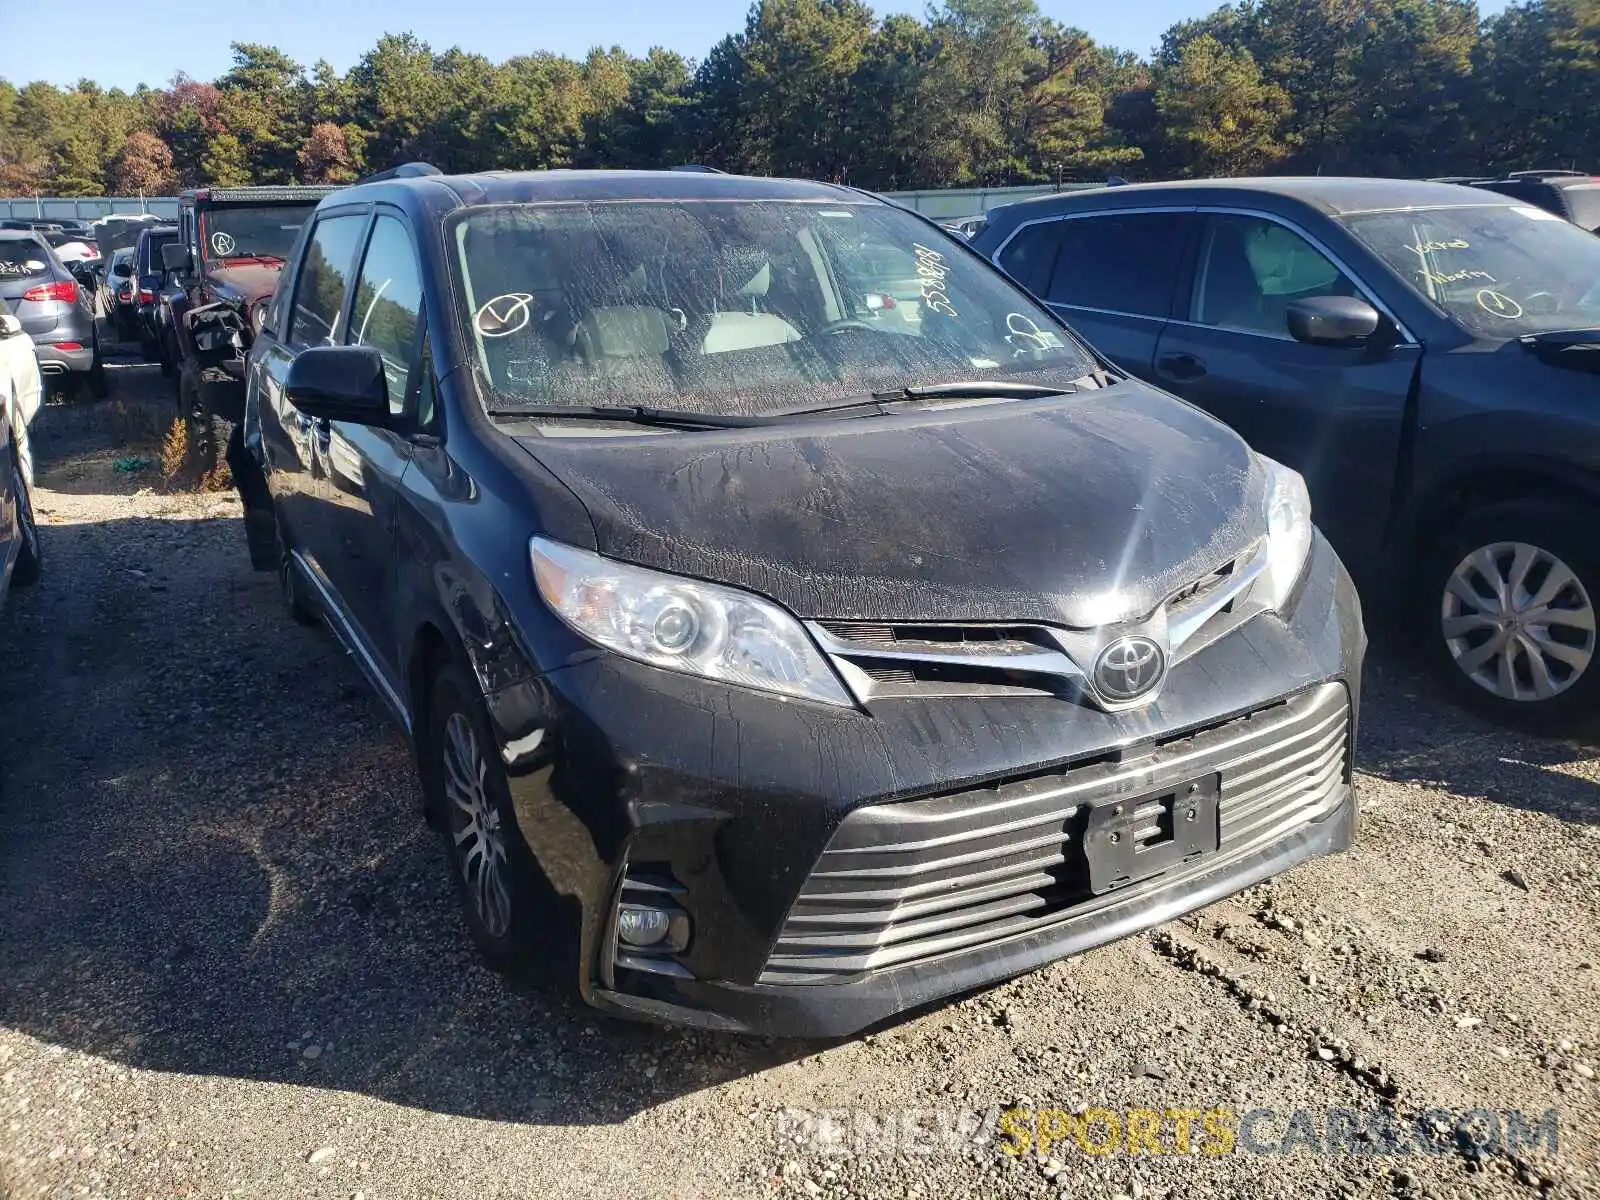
1572 195
150 275
773 661
1424 354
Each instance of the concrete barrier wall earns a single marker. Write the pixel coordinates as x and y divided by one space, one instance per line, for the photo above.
942 204
86 208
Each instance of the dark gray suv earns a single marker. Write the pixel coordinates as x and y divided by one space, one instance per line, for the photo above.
1426 355
56 311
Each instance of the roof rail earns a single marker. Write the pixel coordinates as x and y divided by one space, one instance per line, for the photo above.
410 170
700 167
1547 175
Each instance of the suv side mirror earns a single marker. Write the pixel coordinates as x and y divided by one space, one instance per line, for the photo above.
10 326
122 270
175 257
1332 320
341 383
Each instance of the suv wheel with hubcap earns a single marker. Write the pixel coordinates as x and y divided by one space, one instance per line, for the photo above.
1512 622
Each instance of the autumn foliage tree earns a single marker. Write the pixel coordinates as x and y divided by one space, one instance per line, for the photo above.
325 155
143 167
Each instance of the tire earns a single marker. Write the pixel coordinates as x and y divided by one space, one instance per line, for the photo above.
30 559
99 386
480 825
1547 678
300 612
205 432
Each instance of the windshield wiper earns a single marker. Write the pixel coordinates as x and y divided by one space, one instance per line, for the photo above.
633 414
978 389
875 404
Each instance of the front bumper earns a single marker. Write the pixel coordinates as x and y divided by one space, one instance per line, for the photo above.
843 1008
745 802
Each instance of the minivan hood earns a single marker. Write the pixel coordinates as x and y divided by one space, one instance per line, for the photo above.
1080 511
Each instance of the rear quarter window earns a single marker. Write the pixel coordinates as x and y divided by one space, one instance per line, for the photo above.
1030 255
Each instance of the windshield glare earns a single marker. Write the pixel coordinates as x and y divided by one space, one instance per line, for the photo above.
266 231
1502 271
737 307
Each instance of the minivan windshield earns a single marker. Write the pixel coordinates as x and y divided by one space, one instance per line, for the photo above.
740 308
1502 270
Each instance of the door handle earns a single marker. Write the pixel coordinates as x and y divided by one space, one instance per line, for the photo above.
1181 366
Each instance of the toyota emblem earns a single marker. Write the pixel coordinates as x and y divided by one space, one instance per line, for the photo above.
1129 668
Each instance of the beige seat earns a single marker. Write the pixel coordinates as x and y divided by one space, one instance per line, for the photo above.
748 328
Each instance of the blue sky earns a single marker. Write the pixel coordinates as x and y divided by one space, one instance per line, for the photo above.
342 30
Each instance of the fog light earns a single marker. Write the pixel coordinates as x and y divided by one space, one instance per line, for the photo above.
641 926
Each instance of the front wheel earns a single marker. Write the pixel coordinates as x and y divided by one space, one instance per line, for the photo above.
1508 607
99 385
30 559
489 862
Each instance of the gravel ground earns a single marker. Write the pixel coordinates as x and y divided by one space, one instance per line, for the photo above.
230 962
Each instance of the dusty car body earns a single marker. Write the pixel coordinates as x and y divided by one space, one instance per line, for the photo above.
770 666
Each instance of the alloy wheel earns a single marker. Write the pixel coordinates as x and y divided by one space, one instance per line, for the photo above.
475 824
1518 621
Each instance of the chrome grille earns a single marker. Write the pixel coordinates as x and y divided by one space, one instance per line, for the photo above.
902 882
879 659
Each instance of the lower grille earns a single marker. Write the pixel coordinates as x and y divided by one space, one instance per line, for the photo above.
903 882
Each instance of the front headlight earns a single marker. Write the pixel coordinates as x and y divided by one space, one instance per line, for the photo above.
682 624
1288 530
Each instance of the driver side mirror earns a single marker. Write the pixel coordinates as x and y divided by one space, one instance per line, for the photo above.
341 383
10 326
1332 320
122 270
175 257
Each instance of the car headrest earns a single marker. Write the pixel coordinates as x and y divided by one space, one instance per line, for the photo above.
746 271
624 331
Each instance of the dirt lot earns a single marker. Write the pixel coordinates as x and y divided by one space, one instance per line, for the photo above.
230 962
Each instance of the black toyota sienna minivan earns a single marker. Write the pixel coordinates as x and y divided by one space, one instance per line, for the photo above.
794 622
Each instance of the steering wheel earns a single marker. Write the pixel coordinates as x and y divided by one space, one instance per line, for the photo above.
1541 304
846 323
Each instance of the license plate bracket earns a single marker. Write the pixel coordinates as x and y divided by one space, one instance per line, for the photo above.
1129 840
